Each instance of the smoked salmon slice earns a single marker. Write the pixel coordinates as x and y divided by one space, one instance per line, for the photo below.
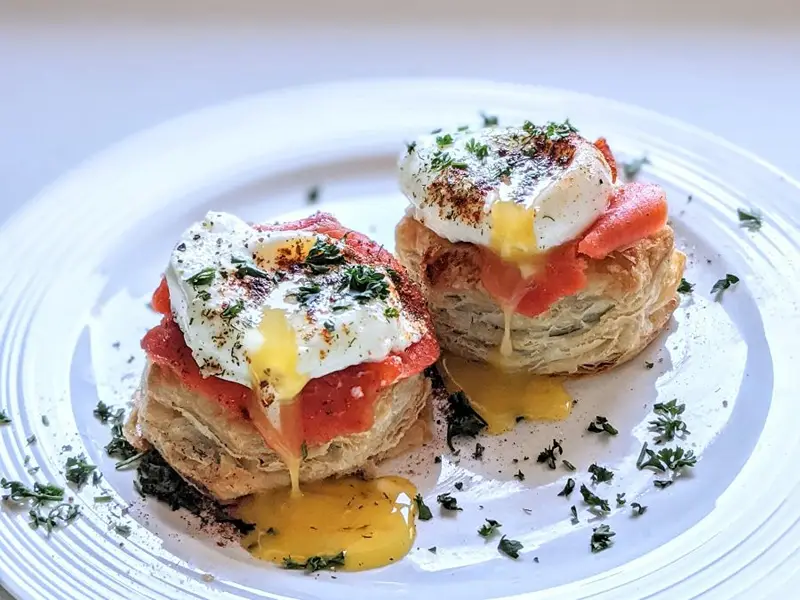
636 211
561 273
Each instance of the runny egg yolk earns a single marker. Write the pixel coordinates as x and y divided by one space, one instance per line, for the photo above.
372 522
501 398
513 235
275 360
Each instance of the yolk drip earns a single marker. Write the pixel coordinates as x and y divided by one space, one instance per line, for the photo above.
502 397
275 362
372 522
513 234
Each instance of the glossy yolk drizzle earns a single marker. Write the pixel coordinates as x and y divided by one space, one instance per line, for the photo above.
367 524
371 521
501 397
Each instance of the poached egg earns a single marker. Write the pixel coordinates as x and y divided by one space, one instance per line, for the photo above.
275 309
517 190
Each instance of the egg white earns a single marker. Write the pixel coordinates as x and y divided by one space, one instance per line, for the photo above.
566 201
327 340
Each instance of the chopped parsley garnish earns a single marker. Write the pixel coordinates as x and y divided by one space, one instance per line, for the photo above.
519 475
489 120
119 447
600 474
62 514
568 487
244 268
595 502
448 501
122 529
322 256
364 283
480 151
668 424
631 169
315 563
4 419
41 492
621 499
723 284
204 295
552 131
329 326
574 512
674 459
462 420
462 128
307 293
411 146
509 547
549 454
685 287
102 499
459 485
478 454
437 130
423 512
304 450
312 195
31 440
601 538
749 219
203 277
637 509
568 465
233 310
648 364
662 483
442 160
391 312
489 528
77 470
444 140
432 549
601 425
106 413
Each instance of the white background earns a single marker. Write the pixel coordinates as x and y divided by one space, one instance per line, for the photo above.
78 76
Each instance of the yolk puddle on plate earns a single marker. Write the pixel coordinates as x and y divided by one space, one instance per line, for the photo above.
502 397
372 522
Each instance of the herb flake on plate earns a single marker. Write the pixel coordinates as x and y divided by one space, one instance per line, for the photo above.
509 547
448 501
489 528
602 425
723 284
423 512
601 538
684 287
749 219
315 563
462 420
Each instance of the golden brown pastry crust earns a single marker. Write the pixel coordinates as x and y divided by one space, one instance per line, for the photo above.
224 456
629 298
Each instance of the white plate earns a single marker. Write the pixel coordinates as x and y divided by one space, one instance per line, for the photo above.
80 261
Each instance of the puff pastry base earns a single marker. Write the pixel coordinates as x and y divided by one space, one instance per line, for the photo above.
224 456
629 298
